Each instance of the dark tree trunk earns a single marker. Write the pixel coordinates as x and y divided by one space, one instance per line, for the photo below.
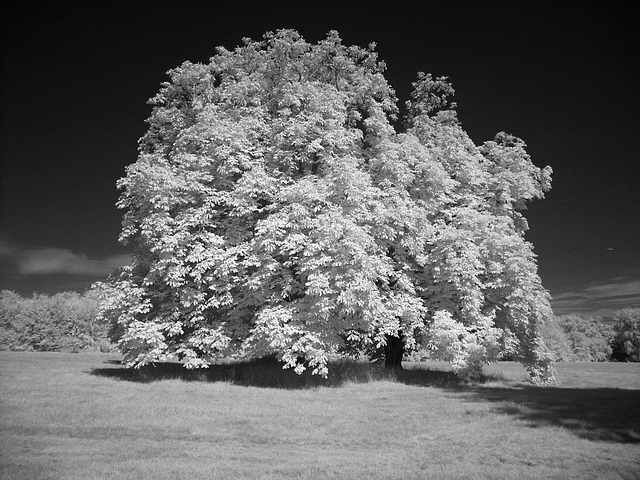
393 352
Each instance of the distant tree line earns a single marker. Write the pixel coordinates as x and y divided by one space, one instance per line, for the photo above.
69 321
574 337
66 321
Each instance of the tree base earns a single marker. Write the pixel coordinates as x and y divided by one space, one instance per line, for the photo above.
393 352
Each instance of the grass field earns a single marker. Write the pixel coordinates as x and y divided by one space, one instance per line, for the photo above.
66 416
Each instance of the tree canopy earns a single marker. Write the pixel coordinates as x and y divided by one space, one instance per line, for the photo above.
276 209
626 341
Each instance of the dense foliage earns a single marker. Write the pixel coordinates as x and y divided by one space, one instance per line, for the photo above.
576 338
626 340
65 321
275 209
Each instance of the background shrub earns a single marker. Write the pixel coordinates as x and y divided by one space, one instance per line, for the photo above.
65 321
576 338
626 335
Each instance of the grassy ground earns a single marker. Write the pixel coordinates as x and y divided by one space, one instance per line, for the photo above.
66 416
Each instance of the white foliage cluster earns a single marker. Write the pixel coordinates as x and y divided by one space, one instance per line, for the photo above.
275 210
467 348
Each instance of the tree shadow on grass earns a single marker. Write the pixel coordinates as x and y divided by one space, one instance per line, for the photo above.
602 414
268 373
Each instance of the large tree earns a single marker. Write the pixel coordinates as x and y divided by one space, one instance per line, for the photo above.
275 209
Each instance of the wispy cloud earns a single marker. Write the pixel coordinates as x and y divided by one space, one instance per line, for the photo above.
599 299
47 261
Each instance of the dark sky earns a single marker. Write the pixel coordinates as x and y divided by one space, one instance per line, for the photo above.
561 75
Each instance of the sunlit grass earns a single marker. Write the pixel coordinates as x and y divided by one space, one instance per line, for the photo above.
66 416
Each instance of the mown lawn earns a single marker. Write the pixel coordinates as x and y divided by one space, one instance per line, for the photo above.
66 416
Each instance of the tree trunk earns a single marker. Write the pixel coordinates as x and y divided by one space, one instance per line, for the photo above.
393 352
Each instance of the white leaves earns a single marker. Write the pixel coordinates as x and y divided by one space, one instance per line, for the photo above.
276 210
276 331
318 284
143 343
467 348
514 178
